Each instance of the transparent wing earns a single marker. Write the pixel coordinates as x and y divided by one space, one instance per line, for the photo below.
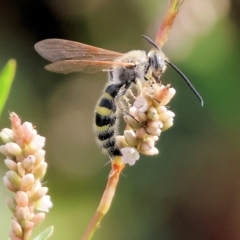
55 50
88 66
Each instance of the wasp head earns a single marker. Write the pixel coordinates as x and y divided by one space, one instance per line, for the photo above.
156 62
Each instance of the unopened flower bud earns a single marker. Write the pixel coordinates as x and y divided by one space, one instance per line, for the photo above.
21 199
152 114
121 142
4 151
27 129
11 203
27 182
20 169
161 93
130 137
161 109
153 131
168 97
39 155
155 124
14 178
40 171
22 214
155 138
141 116
151 152
13 148
165 116
9 185
38 218
39 193
131 121
141 133
141 104
146 145
16 228
11 165
28 163
29 225
167 124
6 135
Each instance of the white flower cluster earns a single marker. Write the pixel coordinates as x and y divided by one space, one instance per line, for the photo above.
147 118
27 166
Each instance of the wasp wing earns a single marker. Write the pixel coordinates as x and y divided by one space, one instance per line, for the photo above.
88 66
55 50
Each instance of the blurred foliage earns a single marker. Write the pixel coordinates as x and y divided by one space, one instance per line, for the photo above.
6 79
45 234
191 190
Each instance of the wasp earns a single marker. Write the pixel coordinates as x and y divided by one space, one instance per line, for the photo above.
124 70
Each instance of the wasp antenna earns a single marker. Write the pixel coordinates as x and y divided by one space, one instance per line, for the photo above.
187 81
151 42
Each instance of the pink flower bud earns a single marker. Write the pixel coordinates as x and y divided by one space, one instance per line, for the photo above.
4 151
37 143
16 228
141 133
155 124
27 129
9 185
39 155
13 236
27 182
22 214
29 225
21 199
146 145
11 203
28 163
153 131
168 97
38 218
161 93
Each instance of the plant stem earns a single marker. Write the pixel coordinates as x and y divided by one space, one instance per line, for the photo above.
105 203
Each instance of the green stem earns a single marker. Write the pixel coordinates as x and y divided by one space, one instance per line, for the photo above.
106 200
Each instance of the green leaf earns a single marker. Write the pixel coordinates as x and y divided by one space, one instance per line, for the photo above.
6 78
45 234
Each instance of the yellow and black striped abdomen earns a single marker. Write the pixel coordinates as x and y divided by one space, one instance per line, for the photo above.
106 121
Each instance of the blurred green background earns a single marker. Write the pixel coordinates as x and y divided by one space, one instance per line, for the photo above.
191 190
